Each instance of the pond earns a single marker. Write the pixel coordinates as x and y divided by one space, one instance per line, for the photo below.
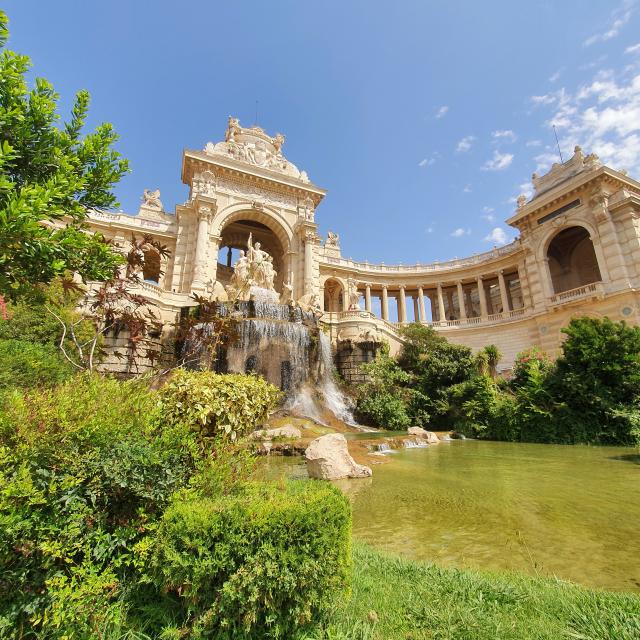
548 510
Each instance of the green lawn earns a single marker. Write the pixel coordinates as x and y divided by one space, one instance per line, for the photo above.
397 598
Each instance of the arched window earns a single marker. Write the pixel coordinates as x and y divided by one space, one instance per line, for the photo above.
572 260
151 266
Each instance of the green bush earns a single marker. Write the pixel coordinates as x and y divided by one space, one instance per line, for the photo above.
25 364
260 563
85 472
218 405
385 410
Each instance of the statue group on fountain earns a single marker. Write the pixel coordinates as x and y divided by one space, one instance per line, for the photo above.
254 268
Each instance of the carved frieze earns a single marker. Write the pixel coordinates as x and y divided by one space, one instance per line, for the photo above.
255 193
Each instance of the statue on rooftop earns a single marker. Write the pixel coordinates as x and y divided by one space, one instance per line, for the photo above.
151 199
233 127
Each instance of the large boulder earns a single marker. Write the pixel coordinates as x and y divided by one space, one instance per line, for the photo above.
288 431
328 458
429 436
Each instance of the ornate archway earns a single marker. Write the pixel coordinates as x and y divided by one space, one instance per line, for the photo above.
572 259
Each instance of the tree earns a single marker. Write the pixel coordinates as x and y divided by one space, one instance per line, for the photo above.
50 176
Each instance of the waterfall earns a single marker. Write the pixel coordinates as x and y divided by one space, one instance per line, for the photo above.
383 447
334 399
415 444
278 342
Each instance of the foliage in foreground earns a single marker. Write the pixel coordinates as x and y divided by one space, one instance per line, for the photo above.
101 482
231 404
590 394
49 177
399 599
269 557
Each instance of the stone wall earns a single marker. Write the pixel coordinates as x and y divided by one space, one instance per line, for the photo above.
350 355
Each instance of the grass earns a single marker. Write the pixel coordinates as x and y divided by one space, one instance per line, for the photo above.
398 599
394 598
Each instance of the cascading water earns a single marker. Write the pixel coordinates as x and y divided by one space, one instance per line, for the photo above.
283 344
415 444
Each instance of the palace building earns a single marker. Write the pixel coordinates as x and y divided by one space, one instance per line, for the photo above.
578 253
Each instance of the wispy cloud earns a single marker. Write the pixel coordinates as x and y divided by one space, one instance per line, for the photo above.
555 76
488 214
442 111
533 143
547 98
634 49
459 232
603 117
464 145
429 229
619 19
467 188
499 161
427 162
497 236
504 135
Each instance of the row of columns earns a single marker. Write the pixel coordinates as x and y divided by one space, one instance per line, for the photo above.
419 304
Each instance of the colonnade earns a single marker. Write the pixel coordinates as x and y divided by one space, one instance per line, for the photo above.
487 295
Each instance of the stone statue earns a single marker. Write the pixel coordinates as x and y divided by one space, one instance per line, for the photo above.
522 200
286 297
233 127
269 273
309 302
254 268
353 295
278 141
151 199
333 239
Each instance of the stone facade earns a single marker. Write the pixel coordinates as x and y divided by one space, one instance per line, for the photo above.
578 252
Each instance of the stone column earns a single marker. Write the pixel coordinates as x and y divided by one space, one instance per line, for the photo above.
385 303
205 214
308 262
461 302
367 298
423 311
503 292
469 305
483 298
416 311
441 314
402 306
450 302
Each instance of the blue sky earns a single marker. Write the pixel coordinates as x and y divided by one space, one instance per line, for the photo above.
423 120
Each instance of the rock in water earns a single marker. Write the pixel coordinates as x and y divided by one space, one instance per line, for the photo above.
288 431
429 436
328 458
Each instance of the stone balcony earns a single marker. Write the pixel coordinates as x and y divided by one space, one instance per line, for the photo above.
592 290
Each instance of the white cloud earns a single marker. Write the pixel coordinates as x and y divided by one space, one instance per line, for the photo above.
497 236
459 232
533 143
427 162
504 135
488 214
603 117
429 229
555 76
547 98
619 19
499 161
442 111
467 188
634 49
465 144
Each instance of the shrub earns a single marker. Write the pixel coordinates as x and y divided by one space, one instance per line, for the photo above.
215 404
260 563
384 410
25 364
84 472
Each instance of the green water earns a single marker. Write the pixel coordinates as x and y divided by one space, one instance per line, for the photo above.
566 511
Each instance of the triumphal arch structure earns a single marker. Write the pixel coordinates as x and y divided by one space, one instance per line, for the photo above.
577 253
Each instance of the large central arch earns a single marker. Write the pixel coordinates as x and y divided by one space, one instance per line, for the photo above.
233 227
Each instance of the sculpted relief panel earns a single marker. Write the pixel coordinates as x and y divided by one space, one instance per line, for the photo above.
252 192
